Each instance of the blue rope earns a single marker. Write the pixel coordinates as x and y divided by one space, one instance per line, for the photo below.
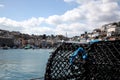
79 50
94 41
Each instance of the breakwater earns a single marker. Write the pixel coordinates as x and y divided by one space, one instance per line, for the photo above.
102 62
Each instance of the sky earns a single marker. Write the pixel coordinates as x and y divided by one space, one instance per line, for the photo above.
57 17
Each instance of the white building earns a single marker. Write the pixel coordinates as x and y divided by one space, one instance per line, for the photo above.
96 32
113 29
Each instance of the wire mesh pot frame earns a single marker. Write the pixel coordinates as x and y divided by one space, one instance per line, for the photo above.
102 62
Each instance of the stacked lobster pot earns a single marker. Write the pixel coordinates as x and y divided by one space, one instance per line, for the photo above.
80 61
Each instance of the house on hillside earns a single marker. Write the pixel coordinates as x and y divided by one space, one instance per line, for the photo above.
96 33
113 29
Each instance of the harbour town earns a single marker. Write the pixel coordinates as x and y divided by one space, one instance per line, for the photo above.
60 40
14 39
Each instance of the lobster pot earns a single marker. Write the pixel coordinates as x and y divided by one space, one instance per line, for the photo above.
104 60
102 63
58 66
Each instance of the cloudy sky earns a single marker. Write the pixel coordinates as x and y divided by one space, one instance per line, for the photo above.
57 16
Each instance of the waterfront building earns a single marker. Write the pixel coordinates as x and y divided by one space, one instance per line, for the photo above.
6 42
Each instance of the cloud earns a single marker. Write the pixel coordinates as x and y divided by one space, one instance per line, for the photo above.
72 29
85 17
30 26
54 20
102 11
78 1
1 5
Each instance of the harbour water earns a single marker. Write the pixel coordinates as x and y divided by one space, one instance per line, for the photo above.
21 64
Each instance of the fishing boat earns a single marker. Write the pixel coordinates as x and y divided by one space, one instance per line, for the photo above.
27 47
5 47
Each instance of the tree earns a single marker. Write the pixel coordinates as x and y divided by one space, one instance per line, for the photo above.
44 36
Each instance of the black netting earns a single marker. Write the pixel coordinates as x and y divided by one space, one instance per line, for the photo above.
102 63
104 59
